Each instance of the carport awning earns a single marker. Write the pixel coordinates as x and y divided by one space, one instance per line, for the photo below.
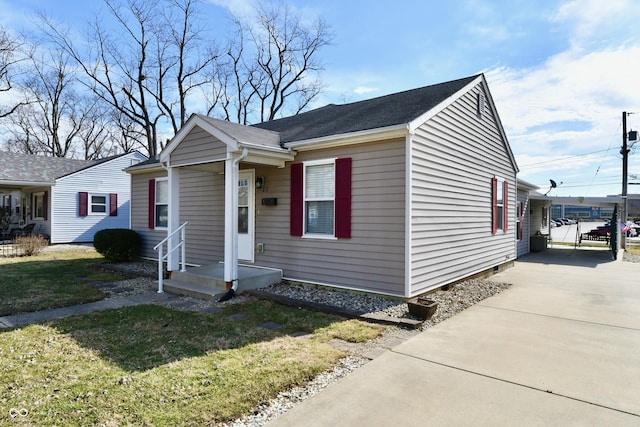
579 200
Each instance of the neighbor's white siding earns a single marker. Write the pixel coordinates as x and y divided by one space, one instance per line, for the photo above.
109 177
455 155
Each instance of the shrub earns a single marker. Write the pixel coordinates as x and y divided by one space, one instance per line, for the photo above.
117 244
30 245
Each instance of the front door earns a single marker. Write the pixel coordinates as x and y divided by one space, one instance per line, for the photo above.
246 214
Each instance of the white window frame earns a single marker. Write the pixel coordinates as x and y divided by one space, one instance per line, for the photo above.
156 204
305 233
90 203
500 204
36 196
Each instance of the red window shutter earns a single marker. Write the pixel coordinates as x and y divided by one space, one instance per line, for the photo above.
113 204
494 205
45 205
343 198
83 203
297 200
33 205
152 203
505 207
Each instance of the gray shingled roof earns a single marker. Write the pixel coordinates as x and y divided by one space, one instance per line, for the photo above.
384 111
40 169
245 134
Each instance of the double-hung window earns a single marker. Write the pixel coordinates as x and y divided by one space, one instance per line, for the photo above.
98 205
162 203
319 197
499 208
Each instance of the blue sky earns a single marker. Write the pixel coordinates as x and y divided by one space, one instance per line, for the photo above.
561 72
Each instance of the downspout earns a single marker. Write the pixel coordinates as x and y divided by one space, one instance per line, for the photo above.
234 282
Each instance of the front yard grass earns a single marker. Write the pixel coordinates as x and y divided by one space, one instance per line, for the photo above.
50 280
150 365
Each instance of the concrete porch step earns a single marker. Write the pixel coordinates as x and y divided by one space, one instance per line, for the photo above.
207 282
193 289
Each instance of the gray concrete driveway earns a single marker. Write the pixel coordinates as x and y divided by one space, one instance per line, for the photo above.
560 347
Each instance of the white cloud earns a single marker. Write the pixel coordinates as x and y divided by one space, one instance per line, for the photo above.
362 90
592 19
236 7
572 103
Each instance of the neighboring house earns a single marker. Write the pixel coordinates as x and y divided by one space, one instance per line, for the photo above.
525 207
535 213
396 195
68 200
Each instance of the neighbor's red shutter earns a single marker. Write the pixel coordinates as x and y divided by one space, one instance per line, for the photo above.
297 200
494 205
33 206
45 207
83 203
152 203
343 198
113 204
505 207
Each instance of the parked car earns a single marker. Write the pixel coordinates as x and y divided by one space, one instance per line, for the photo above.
568 221
559 221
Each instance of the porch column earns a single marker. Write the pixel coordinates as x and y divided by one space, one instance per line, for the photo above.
173 185
231 170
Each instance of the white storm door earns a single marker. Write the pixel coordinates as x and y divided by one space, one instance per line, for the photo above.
246 214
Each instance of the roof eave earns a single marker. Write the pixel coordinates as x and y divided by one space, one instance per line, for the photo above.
137 169
361 137
27 183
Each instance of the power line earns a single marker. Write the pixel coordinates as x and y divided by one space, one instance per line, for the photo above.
566 157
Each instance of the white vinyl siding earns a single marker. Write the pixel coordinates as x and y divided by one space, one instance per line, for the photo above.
455 155
102 179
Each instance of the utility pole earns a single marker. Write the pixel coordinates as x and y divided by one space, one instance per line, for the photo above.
625 158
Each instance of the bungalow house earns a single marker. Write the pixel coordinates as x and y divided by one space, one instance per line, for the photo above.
394 195
67 200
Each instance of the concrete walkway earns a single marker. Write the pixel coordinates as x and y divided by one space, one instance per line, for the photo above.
58 313
561 347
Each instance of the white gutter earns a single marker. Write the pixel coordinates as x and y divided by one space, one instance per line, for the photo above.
27 183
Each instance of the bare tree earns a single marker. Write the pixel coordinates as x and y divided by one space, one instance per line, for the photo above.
9 58
153 62
272 64
147 69
58 119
